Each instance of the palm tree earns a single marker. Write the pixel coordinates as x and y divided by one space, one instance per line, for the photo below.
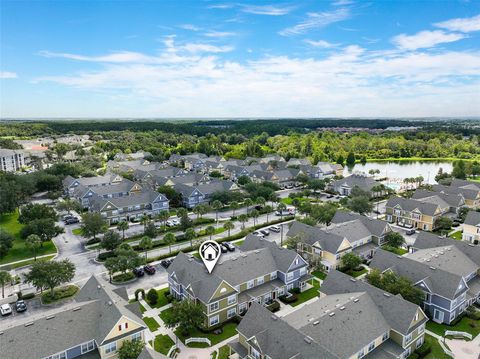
216 205
234 206
122 226
248 202
5 277
228 226
210 231
197 210
163 216
190 235
146 243
281 207
260 201
254 213
169 239
144 220
243 218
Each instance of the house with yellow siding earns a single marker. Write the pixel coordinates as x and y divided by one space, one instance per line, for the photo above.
369 322
471 227
95 325
411 213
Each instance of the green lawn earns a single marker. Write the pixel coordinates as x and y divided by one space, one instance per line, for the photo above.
287 201
162 344
27 262
77 231
356 273
59 294
229 330
319 274
398 251
164 314
223 352
18 252
464 325
162 300
437 351
474 179
151 324
307 294
142 308
457 235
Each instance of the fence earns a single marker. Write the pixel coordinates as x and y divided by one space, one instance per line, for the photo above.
172 351
458 334
198 340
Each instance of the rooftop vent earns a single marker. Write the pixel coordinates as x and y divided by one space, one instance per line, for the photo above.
244 255
432 268
353 280
29 324
342 307
110 302
98 287
76 309
386 294
316 322
356 300
50 317
331 314
307 340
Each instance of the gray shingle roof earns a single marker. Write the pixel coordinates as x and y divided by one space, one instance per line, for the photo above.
458 183
473 218
442 199
146 196
398 312
465 192
408 204
363 182
329 242
440 281
375 226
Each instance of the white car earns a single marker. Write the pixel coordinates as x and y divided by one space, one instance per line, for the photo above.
176 221
5 309
275 229
170 223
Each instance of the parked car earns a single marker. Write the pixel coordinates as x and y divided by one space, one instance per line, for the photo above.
258 234
138 272
5 309
229 246
258 207
20 306
67 216
134 219
150 270
275 229
176 221
409 232
72 220
264 232
166 263
329 195
223 249
170 223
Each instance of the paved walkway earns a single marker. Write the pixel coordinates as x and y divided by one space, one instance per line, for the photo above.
465 349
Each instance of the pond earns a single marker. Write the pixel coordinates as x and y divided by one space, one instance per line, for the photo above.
396 171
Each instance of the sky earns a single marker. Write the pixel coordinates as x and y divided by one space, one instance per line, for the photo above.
216 59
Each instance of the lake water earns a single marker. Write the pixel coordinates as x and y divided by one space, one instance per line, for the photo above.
397 171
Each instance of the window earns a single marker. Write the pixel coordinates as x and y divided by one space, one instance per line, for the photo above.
273 275
214 306
421 329
361 353
260 280
250 284
289 276
303 270
122 326
408 338
255 354
136 336
111 347
88 347
214 320
232 299
419 343
385 336
371 346
62 355
231 312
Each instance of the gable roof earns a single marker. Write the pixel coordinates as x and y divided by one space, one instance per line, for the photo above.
328 241
458 183
375 226
440 281
473 218
467 193
408 204
398 312
440 198
146 196
363 182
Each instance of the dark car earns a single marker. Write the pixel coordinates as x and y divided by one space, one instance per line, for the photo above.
265 232
258 207
139 272
150 270
166 263
229 246
223 248
67 216
409 232
20 306
72 220
329 195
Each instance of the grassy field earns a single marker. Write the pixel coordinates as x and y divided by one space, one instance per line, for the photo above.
9 222
319 274
77 231
162 344
437 351
164 314
27 262
162 300
465 325
151 324
457 235
228 330
223 352
356 273
307 294
397 251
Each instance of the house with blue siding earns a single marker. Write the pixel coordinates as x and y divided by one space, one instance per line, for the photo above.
260 273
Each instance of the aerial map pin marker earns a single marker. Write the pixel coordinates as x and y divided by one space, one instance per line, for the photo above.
210 253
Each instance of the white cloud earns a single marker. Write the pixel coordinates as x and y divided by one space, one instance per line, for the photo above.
349 82
467 24
342 2
320 43
220 6
317 20
8 75
198 47
219 34
425 39
190 27
116 57
271 10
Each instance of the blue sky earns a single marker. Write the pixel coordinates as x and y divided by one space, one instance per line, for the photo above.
342 58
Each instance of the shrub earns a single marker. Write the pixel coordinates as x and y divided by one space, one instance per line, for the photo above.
287 300
19 295
152 297
295 290
424 350
93 241
472 314
59 293
138 291
102 257
123 277
274 307
28 296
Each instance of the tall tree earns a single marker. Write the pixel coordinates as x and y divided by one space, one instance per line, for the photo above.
122 226
360 204
33 243
217 205
33 211
50 274
44 228
110 241
68 205
190 235
394 239
130 349
6 242
186 315
169 239
210 231
93 224
5 277
146 243
228 226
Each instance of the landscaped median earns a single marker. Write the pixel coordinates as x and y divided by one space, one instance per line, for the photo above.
466 323
227 330
59 294
163 343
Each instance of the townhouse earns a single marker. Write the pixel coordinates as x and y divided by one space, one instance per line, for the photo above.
412 213
322 170
259 274
463 185
319 247
191 162
472 252
345 185
158 176
471 194
471 227
448 202
70 183
144 202
94 325
442 273
195 194
119 157
12 160
283 177
372 324
365 234
131 166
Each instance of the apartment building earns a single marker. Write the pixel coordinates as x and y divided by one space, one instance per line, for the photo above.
471 227
449 203
371 324
195 194
412 213
345 185
259 274
12 160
